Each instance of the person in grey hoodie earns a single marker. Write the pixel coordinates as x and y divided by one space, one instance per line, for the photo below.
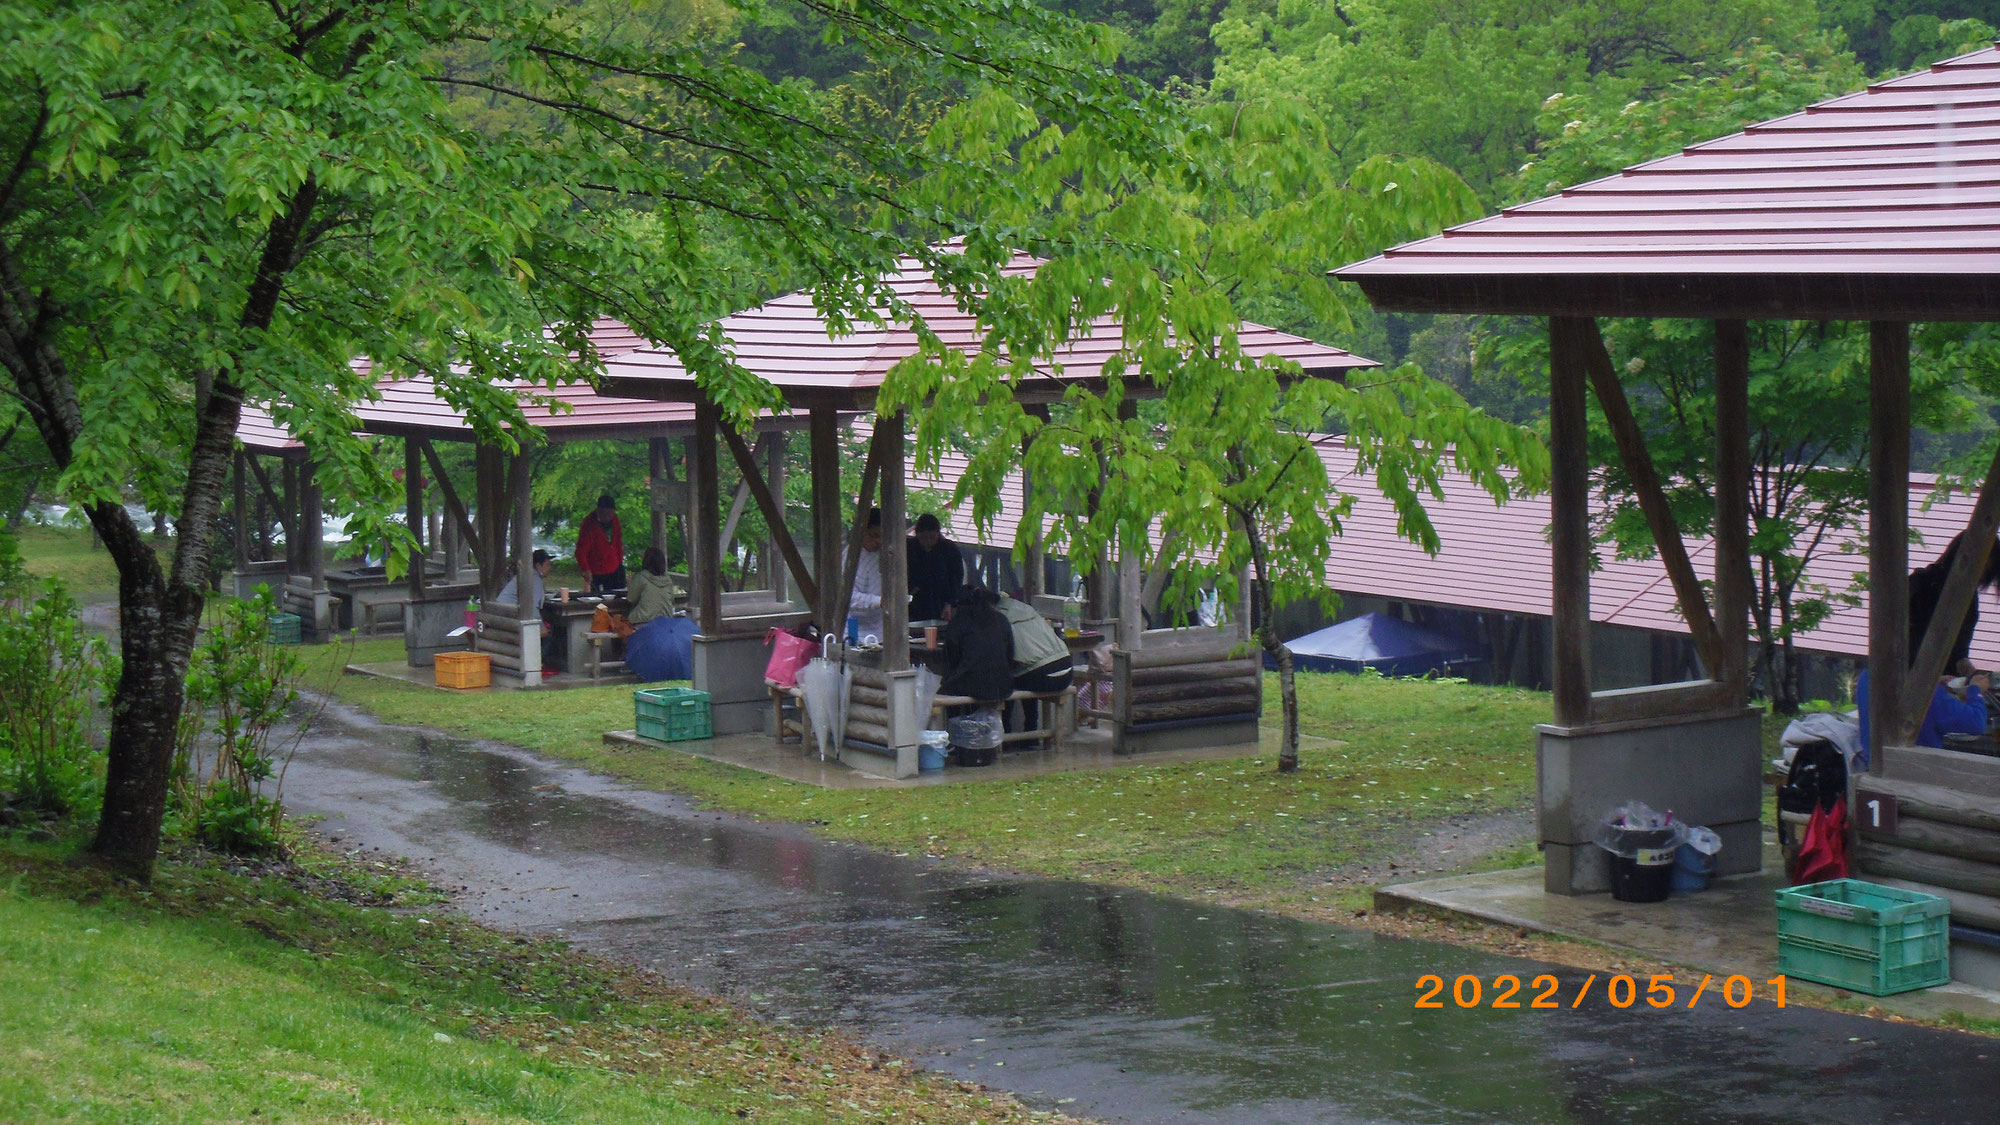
1041 659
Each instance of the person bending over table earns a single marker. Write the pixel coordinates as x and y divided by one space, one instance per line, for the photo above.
978 649
1042 661
600 547
1947 713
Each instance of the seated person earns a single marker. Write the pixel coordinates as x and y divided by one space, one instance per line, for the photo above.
1042 661
978 648
510 594
661 644
652 591
1947 714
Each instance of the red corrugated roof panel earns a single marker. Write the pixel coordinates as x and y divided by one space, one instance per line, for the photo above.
1900 179
785 341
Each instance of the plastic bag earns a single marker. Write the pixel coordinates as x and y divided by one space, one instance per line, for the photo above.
1704 840
981 730
1634 827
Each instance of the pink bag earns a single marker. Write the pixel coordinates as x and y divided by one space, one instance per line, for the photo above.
789 653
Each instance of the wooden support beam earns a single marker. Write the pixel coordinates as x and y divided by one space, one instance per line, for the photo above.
895 546
1961 585
241 495
1651 495
312 525
1131 588
1569 511
870 470
781 536
294 534
413 514
1034 561
520 490
772 553
454 506
656 473
739 498
1888 536
824 455
705 540
1732 507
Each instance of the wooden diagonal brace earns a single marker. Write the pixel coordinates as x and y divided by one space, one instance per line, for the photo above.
452 503
1961 584
1652 500
773 516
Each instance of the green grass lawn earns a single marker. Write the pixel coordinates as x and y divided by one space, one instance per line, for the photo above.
1381 758
217 997
66 553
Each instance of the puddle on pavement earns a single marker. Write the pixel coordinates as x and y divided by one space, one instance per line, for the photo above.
1105 1003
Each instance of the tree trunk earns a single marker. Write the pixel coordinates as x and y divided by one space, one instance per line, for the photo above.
1267 636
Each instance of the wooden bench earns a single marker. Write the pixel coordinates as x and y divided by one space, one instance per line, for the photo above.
594 664
1056 716
788 709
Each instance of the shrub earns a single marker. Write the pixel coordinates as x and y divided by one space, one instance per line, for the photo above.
55 674
239 688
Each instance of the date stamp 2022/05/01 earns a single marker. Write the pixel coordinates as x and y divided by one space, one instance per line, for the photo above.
1507 991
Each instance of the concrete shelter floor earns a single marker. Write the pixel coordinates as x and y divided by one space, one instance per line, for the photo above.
427 677
1085 749
1730 928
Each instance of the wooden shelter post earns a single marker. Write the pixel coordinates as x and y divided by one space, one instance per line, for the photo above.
1888 534
705 540
288 472
1034 561
241 488
1732 509
826 514
312 523
895 546
520 478
1569 513
413 514
775 554
656 475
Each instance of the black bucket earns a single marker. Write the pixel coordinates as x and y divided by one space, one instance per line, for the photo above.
1648 875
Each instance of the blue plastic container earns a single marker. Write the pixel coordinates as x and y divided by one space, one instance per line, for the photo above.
1692 867
931 751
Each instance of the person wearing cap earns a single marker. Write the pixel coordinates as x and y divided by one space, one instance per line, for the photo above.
510 594
865 603
600 548
936 569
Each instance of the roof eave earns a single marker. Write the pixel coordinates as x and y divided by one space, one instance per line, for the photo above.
1909 297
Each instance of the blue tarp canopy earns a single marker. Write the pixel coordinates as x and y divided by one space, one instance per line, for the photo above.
1390 646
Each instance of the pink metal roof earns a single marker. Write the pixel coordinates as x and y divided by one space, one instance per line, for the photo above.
1898 181
1496 558
785 341
411 406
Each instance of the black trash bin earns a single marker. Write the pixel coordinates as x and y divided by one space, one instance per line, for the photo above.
1642 865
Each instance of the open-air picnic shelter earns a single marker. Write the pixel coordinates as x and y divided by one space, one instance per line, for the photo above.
1881 206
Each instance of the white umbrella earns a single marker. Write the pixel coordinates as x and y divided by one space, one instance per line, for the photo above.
927 689
826 687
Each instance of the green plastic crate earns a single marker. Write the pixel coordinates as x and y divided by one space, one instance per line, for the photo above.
285 629
1864 937
672 714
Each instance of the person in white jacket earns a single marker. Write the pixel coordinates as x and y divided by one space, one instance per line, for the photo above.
865 605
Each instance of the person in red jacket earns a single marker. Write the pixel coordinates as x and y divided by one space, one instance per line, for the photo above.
600 548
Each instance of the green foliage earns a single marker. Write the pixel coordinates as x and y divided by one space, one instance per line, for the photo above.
55 675
239 689
1463 84
1893 36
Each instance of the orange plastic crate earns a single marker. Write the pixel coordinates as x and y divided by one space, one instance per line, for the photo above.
464 669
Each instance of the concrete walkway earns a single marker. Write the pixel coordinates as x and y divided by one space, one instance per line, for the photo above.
1730 928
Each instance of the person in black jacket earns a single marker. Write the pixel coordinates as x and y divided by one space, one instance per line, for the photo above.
978 648
936 569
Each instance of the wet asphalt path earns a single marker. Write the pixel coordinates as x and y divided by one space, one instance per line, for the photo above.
1112 1004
